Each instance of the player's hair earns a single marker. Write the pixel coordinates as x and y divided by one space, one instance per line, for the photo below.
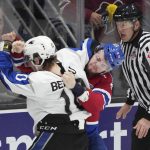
48 63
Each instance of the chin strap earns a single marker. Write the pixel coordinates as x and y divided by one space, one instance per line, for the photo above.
62 68
134 34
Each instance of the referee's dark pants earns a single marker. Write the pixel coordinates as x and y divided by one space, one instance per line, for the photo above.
65 136
144 143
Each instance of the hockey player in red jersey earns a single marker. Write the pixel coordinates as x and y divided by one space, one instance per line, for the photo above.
94 59
100 80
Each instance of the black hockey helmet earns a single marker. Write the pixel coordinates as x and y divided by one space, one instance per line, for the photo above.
127 12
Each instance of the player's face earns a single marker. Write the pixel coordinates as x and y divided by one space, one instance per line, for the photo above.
34 68
125 30
98 63
35 64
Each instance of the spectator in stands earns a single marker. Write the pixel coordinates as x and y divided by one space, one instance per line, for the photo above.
63 33
26 17
94 11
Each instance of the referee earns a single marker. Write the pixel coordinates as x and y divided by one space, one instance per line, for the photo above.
136 67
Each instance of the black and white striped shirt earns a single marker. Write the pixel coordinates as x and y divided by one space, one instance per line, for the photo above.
136 68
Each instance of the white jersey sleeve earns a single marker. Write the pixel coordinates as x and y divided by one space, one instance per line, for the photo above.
72 62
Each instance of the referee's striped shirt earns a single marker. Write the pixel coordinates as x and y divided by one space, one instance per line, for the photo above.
136 68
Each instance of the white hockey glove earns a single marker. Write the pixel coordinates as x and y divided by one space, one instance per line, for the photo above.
84 97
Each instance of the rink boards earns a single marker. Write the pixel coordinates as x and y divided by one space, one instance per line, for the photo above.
16 129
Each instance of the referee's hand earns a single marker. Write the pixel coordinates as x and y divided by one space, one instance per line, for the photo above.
142 127
123 111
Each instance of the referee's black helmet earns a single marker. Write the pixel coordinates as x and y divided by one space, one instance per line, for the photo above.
127 12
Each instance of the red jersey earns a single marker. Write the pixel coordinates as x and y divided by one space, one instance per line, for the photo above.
100 96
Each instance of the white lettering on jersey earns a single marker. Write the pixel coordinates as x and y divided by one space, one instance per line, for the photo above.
21 77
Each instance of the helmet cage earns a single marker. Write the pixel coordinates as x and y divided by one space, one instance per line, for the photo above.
36 60
38 49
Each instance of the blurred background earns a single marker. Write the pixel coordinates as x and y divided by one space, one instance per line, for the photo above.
66 23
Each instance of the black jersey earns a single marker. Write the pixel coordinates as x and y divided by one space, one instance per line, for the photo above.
136 68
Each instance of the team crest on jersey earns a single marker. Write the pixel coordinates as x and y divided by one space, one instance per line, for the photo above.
133 54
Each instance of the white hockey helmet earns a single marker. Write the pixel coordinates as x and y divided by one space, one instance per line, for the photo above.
41 47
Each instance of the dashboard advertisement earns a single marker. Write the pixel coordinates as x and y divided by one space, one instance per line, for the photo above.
16 129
